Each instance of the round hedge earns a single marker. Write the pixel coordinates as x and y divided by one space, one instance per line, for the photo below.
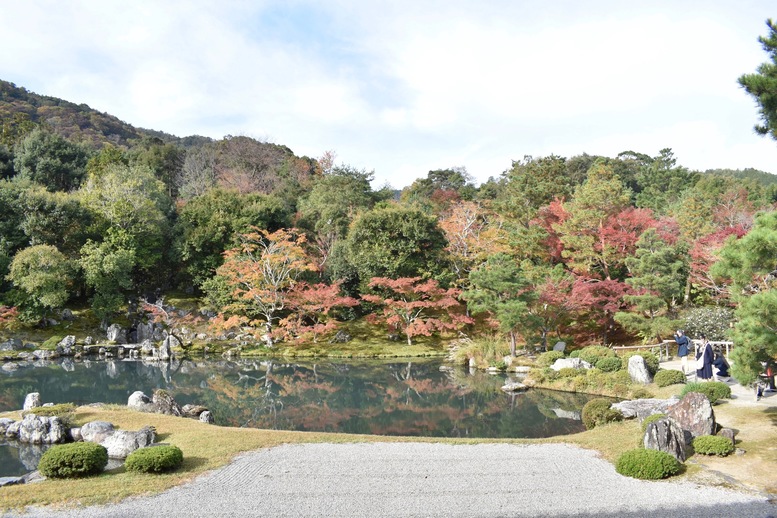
154 459
78 459
598 412
549 358
714 390
667 377
594 353
712 445
650 419
609 364
647 464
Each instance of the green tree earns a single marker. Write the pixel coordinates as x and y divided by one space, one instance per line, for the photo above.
108 271
657 276
500 288
662 181
50 160
762 85
208 225
396 242
755 336
164 160
42 274
54 218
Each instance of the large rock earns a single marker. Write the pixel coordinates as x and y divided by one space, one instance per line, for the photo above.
14 344
638 370
116 334
193 411
694 414
41 430
67 315
144 332
573 363
165 404
67 344
32 400
139 401
13 429
206 417
641 408
121 443
166 349
560 346
665 435
147 348
97 431
5 422
43 354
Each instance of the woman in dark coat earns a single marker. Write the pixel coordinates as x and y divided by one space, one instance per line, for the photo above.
682 349
706 355
721 366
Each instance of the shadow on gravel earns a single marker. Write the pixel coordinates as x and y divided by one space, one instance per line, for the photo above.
753 510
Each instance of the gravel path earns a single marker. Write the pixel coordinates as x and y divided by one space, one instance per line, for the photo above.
429 480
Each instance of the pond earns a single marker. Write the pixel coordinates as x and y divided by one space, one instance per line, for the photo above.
415 397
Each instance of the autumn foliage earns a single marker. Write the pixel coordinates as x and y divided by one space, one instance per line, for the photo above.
412 306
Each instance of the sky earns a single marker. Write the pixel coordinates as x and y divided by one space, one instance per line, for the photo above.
408 86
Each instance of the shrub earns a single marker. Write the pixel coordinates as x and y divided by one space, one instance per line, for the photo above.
543 375
65 412
575 353
549 358
609 364
569 372
78 459
650 419
641 393
594 353
667 377
647 464
715 322
598 412
651 360
154 459
714 390
712 445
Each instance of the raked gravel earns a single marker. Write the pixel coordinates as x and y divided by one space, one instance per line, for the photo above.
427 480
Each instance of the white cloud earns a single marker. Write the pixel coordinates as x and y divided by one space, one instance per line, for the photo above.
405 87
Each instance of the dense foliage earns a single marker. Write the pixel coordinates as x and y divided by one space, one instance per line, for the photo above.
598 412
154 459
666 377
585 249
647 464
714 390
78 459
712 445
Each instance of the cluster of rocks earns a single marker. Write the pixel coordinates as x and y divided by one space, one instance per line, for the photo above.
161 402
637 367
685 419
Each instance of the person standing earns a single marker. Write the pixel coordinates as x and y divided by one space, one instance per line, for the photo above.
682 349
704 357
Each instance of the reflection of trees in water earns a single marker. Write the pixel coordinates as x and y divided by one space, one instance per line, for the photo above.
378 397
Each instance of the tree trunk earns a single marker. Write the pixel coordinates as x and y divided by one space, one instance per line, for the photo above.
512 344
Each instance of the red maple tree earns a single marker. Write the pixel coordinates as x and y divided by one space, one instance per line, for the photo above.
415 307
311 307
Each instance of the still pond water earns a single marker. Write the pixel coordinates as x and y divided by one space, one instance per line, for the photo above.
400 397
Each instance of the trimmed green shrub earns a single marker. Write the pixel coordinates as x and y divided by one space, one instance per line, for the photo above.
154 459
569 372
714 390
647 464
575 354
78 459
549 358
598 412
594 353
651 360
650 419
609 364
666 377
712 445
641 393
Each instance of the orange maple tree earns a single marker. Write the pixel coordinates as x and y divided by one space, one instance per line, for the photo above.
415 307
260 272
311 307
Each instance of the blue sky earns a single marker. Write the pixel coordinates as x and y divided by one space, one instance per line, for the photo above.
403 87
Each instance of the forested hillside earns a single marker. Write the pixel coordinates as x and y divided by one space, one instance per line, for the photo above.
589 249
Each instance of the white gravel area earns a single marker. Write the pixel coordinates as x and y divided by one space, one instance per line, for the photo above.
428 480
